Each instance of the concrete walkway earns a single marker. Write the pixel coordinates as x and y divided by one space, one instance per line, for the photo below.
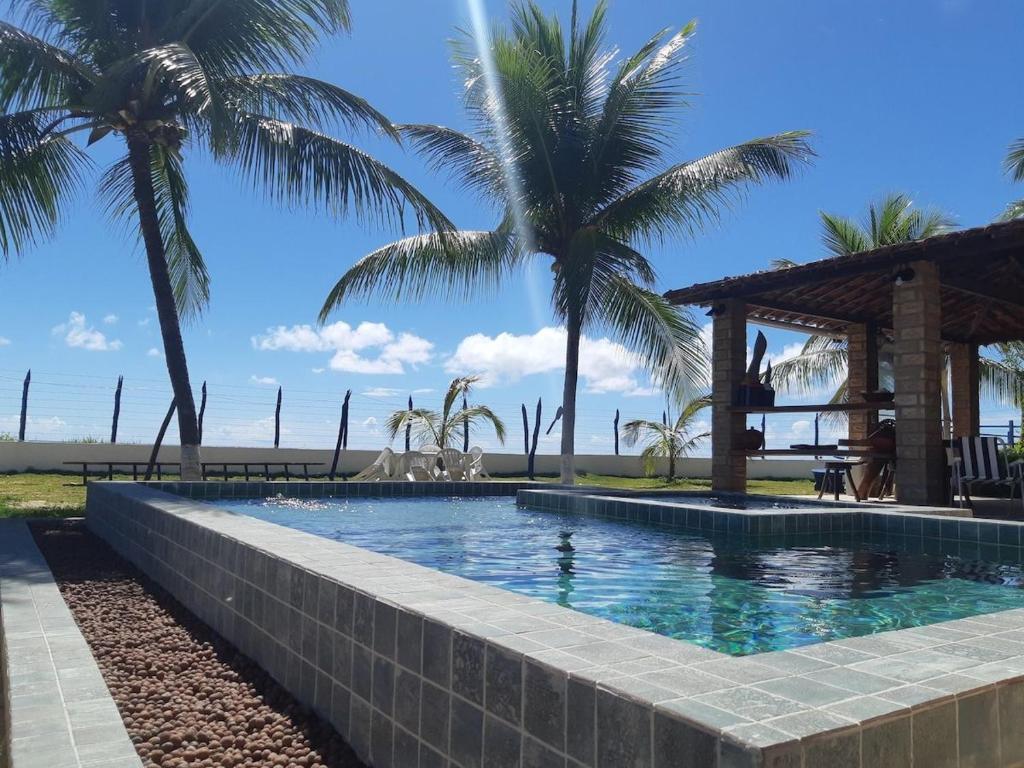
60 711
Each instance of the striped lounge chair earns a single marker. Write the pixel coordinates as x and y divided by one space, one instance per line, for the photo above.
980 461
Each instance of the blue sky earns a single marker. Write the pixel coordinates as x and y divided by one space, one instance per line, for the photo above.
920 97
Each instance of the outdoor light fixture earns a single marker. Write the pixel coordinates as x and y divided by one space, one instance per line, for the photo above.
905 275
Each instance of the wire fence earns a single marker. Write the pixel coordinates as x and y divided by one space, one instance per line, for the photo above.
79 408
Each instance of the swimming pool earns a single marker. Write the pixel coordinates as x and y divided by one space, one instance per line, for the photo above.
730 594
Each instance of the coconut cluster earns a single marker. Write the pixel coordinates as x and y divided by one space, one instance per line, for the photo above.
187 697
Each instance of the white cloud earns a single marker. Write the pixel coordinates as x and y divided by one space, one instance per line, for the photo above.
248 433
79 335
800 428
605 365
144 322
48 426
424 391
110 319
154 352
381 392
350 346
370 422
318 371
269 381
4 341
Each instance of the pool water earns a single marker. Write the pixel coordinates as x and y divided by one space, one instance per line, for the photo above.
736 596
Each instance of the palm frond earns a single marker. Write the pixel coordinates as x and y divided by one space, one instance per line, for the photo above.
475 413
784 264
1000 381
305 100
684 198
1014 162
452 152
296 165
665 338
422 421
1014 210
247 35
39 174
843 236
449 265
34 73
813 369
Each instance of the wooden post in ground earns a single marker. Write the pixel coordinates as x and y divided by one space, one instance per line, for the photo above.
465 427
160 438
277 420
533 448
616 426
342 434
558 415
526 431
408 429
24 406
202 412
117 410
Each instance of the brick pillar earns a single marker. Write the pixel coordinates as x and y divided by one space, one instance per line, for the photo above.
862 376
728 366
917 362
963 363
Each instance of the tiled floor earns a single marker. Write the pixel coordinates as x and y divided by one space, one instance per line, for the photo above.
61 713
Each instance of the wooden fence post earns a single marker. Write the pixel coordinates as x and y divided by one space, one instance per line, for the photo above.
277 420
160 438
24 406
526 432
117 410
558 415
408 428
342 434
202 412
536 437
465 427
616 425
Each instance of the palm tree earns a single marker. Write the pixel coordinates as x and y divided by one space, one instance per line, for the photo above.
162 77
823 360
1003 378
664 440
572 144
442 428
1015 167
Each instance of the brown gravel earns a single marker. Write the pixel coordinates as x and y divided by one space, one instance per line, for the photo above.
187 697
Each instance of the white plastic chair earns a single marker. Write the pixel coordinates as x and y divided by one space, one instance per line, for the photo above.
476 463
381 468
416 467
454 464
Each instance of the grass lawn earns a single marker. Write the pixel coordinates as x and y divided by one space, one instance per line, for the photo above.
51 494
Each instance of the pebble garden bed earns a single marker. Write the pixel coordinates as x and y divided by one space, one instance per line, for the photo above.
187 697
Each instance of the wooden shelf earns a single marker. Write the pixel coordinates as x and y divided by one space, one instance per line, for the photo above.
813 408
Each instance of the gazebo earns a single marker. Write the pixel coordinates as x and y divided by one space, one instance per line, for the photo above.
945 295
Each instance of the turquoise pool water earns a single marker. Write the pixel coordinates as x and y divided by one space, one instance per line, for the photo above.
735 596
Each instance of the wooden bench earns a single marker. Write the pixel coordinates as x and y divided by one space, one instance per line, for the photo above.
110 465
225 467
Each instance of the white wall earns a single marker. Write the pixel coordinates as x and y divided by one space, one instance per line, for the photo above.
41 456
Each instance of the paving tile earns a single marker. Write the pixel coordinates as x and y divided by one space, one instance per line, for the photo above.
544 704
687 681
841 751
623 732
741 670
805 691
853 680
675 739
703 715
751 703
864 709
504 683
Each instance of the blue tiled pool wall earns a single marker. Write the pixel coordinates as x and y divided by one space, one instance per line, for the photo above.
986 539
213 490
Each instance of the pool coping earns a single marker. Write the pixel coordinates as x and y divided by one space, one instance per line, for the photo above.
833 703
59 712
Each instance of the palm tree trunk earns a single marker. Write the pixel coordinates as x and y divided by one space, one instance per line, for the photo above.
671 462
572 370
166 309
